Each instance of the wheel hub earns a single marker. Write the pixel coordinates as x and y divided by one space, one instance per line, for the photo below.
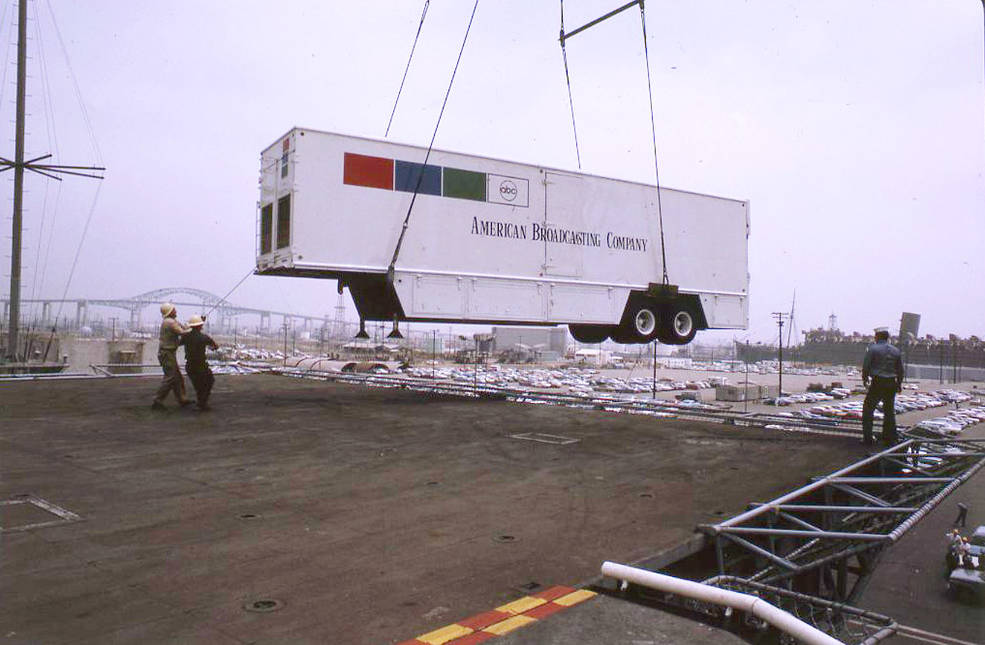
683 323
645 322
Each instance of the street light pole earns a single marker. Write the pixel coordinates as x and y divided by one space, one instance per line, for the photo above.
779 316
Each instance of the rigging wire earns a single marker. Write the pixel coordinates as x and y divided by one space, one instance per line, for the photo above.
75 86
656 161
10 44
95 150
407 69
228 293
420 176
567 78
52 133
78 249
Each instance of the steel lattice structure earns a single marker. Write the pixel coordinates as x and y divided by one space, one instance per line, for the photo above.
825 538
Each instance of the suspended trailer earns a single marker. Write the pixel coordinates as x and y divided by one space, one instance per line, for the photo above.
498 242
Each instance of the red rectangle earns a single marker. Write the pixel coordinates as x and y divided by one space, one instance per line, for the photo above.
481 621
372 172
543 611
286 145
554 592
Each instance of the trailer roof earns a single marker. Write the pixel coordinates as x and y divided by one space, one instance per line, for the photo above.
528 163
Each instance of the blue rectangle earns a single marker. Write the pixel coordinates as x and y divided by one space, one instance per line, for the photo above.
407 174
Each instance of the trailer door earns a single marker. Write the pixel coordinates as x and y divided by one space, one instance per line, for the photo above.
563 232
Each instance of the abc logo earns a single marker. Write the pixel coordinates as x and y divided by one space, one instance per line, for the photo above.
507 190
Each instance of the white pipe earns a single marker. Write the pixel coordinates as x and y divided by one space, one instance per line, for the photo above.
754 605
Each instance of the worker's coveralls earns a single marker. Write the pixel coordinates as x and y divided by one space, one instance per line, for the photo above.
197 366
884 365
171 331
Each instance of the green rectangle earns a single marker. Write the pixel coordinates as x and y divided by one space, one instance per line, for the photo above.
464 184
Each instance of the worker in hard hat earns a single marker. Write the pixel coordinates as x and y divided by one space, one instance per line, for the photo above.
197 366
883 365
171 333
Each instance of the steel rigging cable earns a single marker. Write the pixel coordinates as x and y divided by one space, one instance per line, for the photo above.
567 78
420 176
653 130
407 69
649 85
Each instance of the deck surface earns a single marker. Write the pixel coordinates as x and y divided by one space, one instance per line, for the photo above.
371 515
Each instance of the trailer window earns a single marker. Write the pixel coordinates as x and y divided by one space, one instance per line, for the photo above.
266 228
284 163
284 221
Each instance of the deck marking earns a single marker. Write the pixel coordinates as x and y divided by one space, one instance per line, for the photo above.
65 516
445 634
575 597
509 625
523 604
505 618
543 437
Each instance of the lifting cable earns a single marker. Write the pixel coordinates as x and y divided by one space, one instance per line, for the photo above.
407 69
653 130
649 85
420 175
228 293
567 78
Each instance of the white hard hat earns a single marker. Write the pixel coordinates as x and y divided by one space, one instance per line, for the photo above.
196 321
166 309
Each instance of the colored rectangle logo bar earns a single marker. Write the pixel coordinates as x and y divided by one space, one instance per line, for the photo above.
394 174
407 174
511 191
372 172
465 184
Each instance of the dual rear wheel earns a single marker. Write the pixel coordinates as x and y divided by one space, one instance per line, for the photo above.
672 323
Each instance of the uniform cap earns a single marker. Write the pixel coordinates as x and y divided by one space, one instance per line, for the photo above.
166 309
882 329
195 321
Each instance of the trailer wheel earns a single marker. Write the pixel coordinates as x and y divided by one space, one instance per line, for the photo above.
640 324
678 325
590 334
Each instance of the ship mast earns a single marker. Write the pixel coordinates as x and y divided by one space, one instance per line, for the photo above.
19 165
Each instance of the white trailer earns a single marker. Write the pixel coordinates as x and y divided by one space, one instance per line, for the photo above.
492 241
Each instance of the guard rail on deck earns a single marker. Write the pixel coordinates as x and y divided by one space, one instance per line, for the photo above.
752 604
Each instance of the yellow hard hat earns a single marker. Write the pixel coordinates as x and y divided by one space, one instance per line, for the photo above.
166 309
196 321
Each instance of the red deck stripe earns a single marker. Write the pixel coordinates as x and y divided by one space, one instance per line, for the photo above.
483 620
554 592
543 611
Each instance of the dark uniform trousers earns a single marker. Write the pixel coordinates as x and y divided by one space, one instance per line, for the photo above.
202 379
172 381
881 389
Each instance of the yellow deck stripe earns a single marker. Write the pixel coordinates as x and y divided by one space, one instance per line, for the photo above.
574 597
509 625
445 634
523 604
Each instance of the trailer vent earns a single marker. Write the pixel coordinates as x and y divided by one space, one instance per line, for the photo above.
266 229
284 221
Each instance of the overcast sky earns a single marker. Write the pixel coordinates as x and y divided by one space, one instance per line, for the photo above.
853 127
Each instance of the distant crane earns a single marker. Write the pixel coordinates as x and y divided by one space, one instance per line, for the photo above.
793 321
